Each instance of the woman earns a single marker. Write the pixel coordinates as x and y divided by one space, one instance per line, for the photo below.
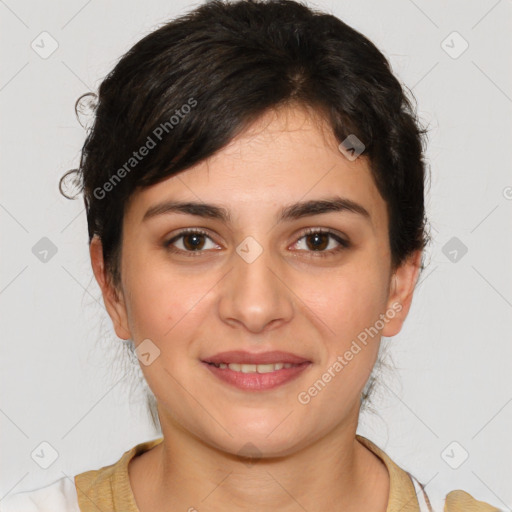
254 186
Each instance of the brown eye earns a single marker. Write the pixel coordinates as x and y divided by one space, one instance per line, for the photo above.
191 241
318 240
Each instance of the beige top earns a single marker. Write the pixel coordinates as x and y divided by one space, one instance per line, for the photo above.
109 488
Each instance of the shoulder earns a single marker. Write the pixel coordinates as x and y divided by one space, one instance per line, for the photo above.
461 501
433 498
430 497
59 496
109 488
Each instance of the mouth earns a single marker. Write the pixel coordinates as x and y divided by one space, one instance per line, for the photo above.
257 358
254 368
256 372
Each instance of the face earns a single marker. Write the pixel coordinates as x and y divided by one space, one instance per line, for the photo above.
255 274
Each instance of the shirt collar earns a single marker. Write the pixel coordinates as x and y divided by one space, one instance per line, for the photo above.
402 494
110 486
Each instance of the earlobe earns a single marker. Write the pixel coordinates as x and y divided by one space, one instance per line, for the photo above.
402 286
113 300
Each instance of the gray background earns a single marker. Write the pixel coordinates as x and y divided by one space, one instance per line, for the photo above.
453 358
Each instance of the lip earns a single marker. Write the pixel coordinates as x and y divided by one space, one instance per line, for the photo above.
257 381
244 357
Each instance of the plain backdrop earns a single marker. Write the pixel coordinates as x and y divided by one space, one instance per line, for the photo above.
451 394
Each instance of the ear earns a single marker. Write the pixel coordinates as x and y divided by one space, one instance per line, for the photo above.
113 299
402 285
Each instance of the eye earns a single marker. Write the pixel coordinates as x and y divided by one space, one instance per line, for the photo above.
193 242
317 240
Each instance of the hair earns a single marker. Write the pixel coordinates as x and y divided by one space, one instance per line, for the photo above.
185 90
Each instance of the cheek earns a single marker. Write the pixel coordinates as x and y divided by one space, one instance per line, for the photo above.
350 309
347 300
163 305
153 306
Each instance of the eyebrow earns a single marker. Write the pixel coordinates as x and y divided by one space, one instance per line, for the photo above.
288 213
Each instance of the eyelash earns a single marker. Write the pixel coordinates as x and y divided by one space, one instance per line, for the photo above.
344 244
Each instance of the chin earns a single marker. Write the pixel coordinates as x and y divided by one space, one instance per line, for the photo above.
257 439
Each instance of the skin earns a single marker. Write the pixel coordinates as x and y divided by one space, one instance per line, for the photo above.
288 299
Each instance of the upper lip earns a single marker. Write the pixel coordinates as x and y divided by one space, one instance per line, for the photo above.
241 357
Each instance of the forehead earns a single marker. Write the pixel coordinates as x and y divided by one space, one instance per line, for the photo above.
288 155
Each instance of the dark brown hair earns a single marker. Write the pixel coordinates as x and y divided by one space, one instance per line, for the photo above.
200 79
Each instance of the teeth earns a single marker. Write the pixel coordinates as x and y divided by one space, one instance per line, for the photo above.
254 368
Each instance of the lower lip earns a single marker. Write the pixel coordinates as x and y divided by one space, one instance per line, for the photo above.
257 381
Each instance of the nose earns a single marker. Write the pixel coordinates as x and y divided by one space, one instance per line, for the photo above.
255 295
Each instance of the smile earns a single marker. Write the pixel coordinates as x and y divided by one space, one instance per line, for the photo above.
256 377
254 368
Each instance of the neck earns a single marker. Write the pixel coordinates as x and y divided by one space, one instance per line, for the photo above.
334 473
